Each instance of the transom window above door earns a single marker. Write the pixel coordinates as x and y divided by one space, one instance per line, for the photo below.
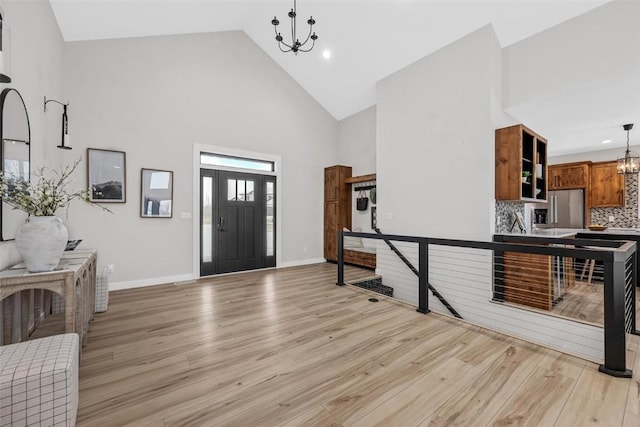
236 162
240 190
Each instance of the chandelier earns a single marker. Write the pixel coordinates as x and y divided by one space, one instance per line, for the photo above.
296 45
629 163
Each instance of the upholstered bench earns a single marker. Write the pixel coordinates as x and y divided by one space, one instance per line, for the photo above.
39 382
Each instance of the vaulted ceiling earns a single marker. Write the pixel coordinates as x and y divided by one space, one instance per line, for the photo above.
368 40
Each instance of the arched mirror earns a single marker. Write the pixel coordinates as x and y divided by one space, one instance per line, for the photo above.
15 153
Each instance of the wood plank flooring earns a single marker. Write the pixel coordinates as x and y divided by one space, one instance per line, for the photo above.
288 347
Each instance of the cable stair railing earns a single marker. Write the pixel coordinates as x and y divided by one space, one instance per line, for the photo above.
406 262
499 271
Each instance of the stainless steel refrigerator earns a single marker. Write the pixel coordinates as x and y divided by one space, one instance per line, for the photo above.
565 209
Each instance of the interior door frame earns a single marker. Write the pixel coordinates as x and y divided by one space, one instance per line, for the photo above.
195 215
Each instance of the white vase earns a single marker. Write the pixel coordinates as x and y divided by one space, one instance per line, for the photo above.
41 241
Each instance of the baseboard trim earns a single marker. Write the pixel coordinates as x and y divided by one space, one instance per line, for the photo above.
302 262
130 284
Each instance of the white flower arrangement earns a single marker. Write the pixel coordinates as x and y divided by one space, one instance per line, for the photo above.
44 196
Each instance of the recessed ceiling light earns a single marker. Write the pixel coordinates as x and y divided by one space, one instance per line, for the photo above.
326 54
606 141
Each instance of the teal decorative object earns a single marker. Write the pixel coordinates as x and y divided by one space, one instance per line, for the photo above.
372 195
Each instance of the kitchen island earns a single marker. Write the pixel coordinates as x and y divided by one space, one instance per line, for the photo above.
543 281
533 280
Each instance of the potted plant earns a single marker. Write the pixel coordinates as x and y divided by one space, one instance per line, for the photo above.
41 240
525 176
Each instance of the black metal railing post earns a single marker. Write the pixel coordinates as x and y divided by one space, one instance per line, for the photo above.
423 276
340 258
498 272
634 290
614 318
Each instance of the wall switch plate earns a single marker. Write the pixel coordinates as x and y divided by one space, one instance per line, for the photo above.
611 218
185 215
111 268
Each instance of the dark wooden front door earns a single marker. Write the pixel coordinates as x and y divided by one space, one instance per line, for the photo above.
237 219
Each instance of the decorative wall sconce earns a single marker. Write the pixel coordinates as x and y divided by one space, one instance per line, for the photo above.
65 122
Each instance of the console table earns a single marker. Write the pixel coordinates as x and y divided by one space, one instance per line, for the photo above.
74 280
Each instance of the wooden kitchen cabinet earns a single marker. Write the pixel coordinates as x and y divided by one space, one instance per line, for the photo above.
569 176
519 151
607 186
337 207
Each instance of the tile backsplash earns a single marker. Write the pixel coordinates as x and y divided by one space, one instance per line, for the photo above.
624 217
505 213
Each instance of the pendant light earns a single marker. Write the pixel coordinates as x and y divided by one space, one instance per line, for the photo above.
628 164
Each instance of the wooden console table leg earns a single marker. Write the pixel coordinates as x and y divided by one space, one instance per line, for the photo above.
69 305
16 322
40 306
31 321
2 322
48 296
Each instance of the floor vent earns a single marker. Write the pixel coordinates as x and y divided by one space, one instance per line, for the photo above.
374 285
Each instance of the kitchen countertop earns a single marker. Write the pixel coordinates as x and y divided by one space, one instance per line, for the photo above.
547 232
614 230
568 232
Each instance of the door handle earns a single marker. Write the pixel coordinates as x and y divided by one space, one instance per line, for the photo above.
221 223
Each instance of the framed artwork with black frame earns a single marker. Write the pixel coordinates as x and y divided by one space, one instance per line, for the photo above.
156 193
106 175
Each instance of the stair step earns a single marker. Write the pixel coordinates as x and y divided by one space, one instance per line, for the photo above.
363 279
374 284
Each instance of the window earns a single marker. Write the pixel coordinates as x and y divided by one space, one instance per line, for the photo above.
207 219
271 235
240 190
236 162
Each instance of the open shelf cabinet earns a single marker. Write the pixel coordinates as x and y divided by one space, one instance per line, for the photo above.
521 164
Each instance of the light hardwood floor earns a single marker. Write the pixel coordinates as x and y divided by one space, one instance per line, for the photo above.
288 347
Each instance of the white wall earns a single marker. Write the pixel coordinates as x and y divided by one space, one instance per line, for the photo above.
435 164
357 141
578 82
35 49
435 155
586 51
435 150
357 148
154 97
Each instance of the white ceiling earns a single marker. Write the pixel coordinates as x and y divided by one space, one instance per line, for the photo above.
368 40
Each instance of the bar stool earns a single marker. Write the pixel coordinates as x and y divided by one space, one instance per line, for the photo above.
591 263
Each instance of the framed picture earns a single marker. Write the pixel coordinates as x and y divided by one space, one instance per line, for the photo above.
156 194
106 174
